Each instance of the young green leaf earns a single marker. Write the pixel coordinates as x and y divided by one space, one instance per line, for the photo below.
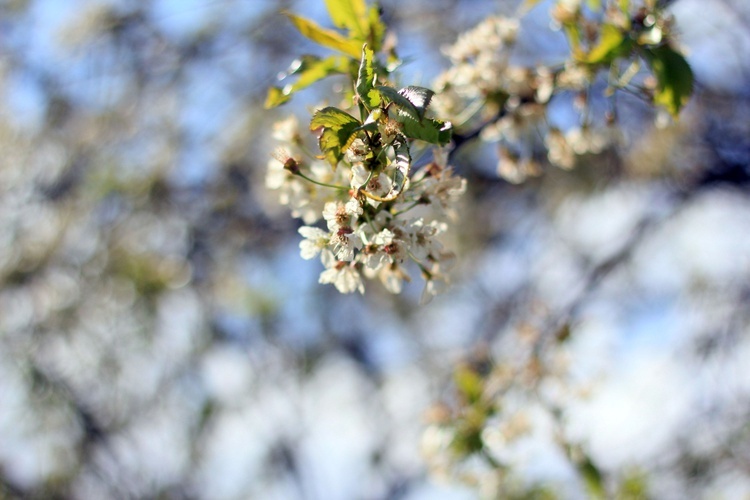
469 383
331 117
405 106
327 38
420 97
349 14
592 478
573 34
308 69
376 28
321 69
428 130
673 75
612 42
366 80
276 97
402 162
339 129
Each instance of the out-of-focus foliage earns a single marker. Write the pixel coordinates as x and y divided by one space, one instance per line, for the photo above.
161 337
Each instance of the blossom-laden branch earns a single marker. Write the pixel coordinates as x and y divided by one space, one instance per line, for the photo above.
364 182
361 184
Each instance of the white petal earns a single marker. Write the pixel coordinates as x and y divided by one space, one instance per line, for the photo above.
313 233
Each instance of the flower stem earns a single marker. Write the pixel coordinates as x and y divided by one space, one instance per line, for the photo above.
425 271
333 186
369 222
396 214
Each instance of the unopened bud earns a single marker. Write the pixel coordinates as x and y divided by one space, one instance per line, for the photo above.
291 165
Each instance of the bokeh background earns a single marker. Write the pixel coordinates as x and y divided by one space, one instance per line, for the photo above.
160 337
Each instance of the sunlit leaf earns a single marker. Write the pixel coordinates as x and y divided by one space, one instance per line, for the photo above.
349 14
308 70
339 129
420 97
633 487
321 69
612 42
275 97
674 78
469 383
366 80
592 478
327 38
573 34
376 28
331 117
402 162
428 130
402 102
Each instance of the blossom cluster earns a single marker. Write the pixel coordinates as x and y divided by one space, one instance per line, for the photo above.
483 90
375 221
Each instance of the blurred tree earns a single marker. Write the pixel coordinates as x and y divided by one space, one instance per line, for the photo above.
161 337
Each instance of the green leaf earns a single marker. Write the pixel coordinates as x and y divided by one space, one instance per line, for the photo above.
402 102
402 162
339 129
674 78
321 69
276 97
428 130
376 28
366 80
349 14
327 38
592 478
573 34
420 97
469 383
612 43
308 69
331 117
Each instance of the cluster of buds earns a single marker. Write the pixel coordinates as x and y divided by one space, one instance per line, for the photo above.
377 215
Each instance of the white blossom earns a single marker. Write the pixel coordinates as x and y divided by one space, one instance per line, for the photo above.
335 215
344 241
437 281
423 238
353 207
392 277
379 186
315 240
360 175
344 276
355 247
286 130
586 140
293 192
559 151
443 189
393 248
357 151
